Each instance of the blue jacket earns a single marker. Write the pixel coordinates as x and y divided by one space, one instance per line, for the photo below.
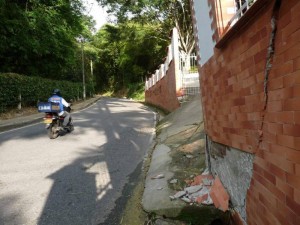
57 99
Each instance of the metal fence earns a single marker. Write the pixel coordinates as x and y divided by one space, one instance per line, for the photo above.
190 76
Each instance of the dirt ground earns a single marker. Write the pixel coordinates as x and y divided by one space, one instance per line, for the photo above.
17 113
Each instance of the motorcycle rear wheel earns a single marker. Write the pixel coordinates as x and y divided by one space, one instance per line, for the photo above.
52 131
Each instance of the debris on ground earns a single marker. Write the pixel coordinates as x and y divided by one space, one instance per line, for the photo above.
159 176
174 181
204 189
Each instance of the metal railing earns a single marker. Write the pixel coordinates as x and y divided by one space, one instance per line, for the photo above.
241 7
190 85
188 63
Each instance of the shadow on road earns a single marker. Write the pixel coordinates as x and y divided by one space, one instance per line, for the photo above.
85 191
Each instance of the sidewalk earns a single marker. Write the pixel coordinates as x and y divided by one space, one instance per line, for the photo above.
176 168
34 118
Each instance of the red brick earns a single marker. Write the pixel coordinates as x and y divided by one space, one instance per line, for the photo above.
292 104
284 20
286 140
292 53
290 216
297 64
284 187
270 215
297 117
259 69
275 83
280 117
290 79
265 188
258 169
275 128
232 80
293 155
297 169
276 192
266 201
274 106
297 195
290 29
295 10
256 89
270 177
260 217
278 172
251 99
293 180
255 116
280 94
269 137
279 161
261 163
281 218
291 130
260 56
294 206
283 69
296 90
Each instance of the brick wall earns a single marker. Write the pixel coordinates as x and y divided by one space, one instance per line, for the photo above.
163 93
238 113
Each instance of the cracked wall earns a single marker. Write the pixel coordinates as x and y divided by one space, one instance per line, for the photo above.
250 91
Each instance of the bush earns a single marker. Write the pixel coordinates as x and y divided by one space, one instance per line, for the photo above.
31 90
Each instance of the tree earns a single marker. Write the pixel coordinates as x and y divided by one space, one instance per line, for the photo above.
127 53
168 13
37 37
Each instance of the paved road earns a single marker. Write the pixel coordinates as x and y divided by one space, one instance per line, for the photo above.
74 179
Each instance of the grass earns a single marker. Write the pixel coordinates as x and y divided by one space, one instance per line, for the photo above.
133 91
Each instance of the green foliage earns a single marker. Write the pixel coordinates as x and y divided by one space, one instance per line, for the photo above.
127 54
167 13
38 37
136 92
35 89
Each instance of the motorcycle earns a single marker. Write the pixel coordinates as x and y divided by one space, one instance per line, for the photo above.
54 122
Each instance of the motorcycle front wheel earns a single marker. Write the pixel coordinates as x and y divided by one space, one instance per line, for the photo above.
52 131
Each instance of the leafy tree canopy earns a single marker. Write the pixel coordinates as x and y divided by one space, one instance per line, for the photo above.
127 53
37 37
168 13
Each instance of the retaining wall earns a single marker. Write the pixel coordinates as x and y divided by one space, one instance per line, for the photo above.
163 93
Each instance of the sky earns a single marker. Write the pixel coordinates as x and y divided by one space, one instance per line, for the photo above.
98 13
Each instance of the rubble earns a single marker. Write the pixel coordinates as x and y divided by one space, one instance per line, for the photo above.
189 156
193 189
174 181
159 176
204 189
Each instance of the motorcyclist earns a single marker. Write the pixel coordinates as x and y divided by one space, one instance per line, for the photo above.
63 104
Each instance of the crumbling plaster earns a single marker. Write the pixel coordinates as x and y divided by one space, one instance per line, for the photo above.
234 167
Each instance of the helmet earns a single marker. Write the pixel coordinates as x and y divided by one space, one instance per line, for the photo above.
56 92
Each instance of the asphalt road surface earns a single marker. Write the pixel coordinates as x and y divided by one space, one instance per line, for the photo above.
77 178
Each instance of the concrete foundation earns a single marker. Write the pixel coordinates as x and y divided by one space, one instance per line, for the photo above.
234 168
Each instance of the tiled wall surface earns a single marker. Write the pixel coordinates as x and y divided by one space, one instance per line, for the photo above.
238 114
163 93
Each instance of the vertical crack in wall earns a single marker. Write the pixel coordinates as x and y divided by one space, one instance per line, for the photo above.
269 62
